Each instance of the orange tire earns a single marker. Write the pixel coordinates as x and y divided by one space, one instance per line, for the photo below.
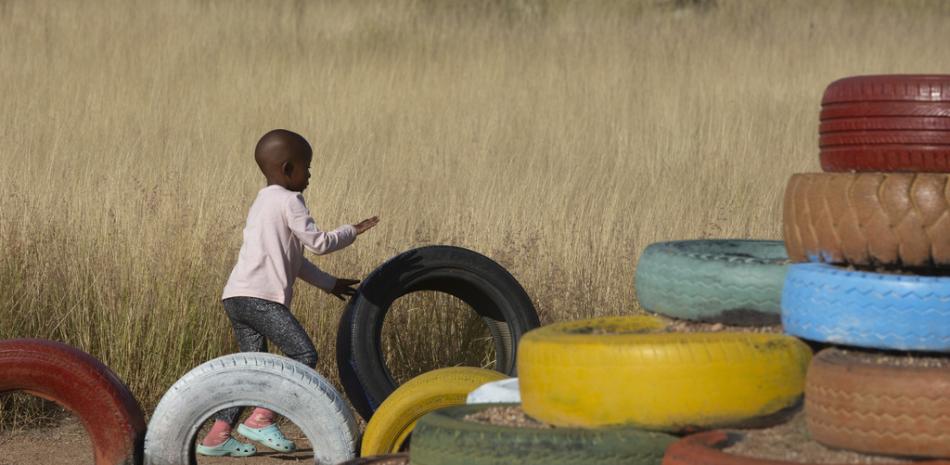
879 404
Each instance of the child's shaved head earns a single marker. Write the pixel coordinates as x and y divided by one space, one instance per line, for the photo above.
279 146
284 158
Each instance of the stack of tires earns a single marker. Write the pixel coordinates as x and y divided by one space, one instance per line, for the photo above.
731 284
871 238
618 390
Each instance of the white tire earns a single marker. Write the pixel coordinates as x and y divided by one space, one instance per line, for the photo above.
255 379
505 391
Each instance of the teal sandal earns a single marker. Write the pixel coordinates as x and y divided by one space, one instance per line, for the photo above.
232 447
269 436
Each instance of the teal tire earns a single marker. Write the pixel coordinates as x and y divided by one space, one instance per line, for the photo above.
735 282
444 437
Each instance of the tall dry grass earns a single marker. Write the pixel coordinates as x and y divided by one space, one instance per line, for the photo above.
558 137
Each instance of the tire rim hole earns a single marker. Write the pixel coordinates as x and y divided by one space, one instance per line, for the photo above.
425 330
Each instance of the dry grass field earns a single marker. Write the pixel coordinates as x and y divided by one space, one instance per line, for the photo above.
558 137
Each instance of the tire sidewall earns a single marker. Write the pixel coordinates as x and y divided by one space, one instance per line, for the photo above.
279 384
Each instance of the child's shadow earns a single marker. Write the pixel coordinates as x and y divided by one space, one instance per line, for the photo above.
297 455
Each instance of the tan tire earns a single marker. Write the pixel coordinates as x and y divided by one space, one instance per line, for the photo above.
879 404
395 418
626 370
890 219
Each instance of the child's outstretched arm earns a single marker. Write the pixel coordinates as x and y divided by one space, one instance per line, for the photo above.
337 286
315 276
315 240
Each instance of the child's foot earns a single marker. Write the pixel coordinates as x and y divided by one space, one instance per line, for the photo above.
269 436
232 447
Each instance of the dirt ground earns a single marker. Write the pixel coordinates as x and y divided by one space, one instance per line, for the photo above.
68 444
788 441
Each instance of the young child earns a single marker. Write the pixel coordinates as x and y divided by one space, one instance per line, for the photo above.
258 293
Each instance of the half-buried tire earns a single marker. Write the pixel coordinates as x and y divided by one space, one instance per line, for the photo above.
393 422
83 385
285 386
737 282
491 291
445 437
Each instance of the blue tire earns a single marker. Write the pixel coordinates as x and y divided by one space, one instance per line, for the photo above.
830 304
736 282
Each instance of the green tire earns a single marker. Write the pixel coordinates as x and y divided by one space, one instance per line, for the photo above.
735 282
443 437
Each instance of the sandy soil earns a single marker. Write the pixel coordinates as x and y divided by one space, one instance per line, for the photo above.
67 444
63 444
788 441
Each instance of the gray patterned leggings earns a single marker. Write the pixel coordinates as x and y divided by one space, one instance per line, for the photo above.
257 320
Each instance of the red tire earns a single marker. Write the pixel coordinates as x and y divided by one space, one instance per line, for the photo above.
889 87
863 138
886 158
80 383
886 123
704 449
897 123
889 109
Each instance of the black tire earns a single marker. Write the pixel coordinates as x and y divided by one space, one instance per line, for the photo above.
443 437
475 279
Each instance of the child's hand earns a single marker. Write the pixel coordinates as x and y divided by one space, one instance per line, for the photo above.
344 287
366 225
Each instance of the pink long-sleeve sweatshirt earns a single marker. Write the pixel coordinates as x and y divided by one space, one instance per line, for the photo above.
278 228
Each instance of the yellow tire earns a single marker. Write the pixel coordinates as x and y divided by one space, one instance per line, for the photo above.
626 370
395 418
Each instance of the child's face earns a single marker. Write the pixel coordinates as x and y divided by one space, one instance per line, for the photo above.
299 177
